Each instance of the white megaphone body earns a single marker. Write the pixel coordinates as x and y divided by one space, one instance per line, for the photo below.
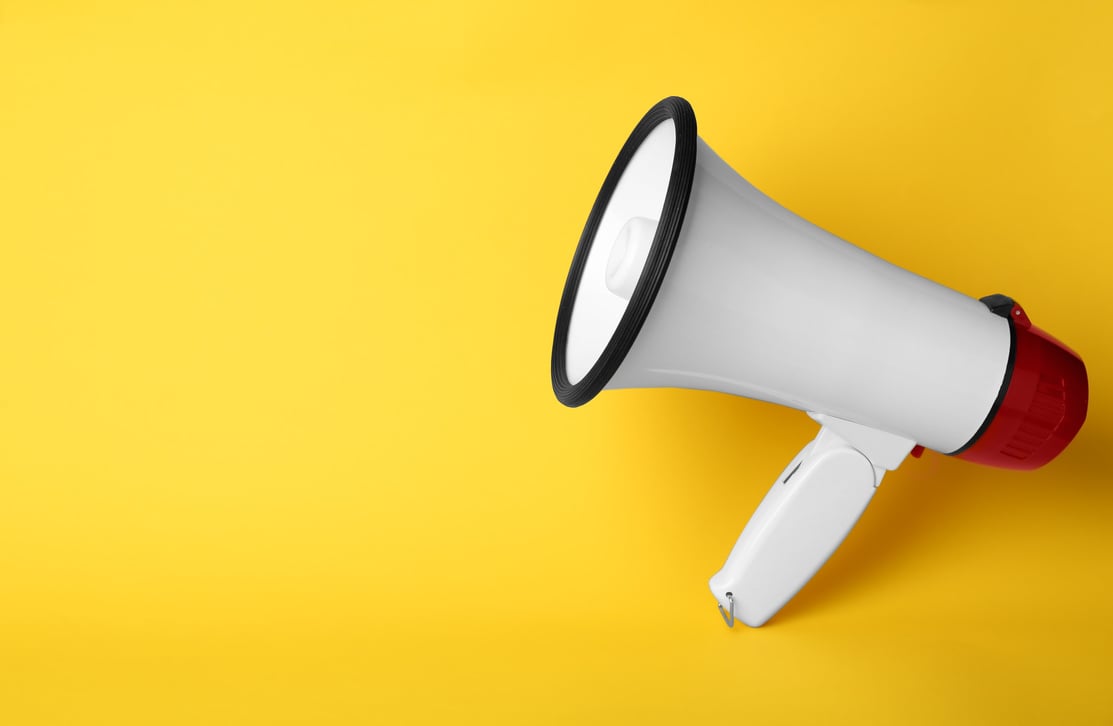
687 276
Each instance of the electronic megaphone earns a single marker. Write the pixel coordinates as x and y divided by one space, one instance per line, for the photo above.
686 276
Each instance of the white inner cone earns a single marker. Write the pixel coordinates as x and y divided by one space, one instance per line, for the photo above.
628 254
620 248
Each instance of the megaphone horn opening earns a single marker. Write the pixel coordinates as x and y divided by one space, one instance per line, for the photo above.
583 361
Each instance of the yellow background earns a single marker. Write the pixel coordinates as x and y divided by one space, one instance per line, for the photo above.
277 439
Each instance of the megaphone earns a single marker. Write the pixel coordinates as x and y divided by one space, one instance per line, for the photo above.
687 276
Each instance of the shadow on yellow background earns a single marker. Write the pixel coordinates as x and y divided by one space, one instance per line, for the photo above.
277 290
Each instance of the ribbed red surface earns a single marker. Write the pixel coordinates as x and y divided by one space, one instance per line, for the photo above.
1044 405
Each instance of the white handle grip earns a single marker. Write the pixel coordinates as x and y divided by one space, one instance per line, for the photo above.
805 516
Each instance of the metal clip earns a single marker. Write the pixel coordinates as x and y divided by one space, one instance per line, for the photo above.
728 620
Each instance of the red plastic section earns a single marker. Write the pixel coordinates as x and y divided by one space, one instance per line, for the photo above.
1044 405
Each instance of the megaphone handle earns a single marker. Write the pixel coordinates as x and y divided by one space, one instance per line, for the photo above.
805 516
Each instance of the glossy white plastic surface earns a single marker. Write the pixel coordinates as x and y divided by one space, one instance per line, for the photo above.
758 302
805 516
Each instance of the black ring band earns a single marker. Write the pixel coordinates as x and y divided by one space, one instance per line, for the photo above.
999 305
